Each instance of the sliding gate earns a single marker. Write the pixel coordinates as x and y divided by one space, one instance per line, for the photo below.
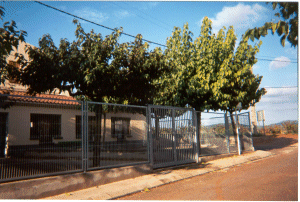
172 135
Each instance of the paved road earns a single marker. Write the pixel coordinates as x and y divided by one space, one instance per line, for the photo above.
273 178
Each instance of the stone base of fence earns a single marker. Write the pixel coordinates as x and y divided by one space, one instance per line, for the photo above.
54 185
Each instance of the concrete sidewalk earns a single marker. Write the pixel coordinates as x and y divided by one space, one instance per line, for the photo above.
161 177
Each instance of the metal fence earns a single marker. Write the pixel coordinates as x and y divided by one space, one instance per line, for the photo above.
173 136
38 137
217 136
243 124
213 137
45 136
117 135
42 136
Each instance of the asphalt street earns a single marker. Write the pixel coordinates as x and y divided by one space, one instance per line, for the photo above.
271 179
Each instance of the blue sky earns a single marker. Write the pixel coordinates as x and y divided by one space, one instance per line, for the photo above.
156 20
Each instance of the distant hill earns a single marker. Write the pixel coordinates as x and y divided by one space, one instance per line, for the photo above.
282 122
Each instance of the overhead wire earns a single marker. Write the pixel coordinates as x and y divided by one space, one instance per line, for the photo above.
141 16
277 60
130 34
149 15
95 23
283 87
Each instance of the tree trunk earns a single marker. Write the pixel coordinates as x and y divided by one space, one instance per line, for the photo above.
198 128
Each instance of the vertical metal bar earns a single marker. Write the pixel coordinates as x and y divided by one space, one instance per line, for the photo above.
227 131
237 132
174 135
251 133
197 140
84 136
196 144
150 136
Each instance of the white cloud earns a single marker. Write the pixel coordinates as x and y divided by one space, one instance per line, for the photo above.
279 104
279 62
91 14
281 91
122 14
240 16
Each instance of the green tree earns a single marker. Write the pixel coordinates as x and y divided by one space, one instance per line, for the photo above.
242 86
198 67
208 73
287 28
10 39
94 68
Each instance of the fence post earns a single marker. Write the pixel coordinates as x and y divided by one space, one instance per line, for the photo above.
227 132
196 134
84 134
150 137
174 134
237 132
251 131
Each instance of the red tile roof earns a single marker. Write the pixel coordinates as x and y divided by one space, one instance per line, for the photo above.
39 98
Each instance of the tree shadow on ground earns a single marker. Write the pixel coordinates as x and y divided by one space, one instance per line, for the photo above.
191 166
276 143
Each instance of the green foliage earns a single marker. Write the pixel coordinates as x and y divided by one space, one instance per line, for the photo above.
10 39
287 28
94 68
208 73
241 84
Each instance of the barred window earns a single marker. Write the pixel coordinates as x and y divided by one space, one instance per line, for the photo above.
120 127
45 125
93 127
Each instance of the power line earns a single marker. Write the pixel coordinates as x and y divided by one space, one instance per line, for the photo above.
283 87
141 17
126 33
149 15
275 57
277 60
95 23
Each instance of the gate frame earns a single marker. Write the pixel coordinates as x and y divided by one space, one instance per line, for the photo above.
150 138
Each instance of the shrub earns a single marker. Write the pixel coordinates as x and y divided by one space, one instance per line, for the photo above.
290 127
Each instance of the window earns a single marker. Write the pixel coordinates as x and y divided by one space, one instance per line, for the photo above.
120 127
93 127
45 126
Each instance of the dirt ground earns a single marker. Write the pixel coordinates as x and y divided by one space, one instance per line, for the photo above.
274 142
